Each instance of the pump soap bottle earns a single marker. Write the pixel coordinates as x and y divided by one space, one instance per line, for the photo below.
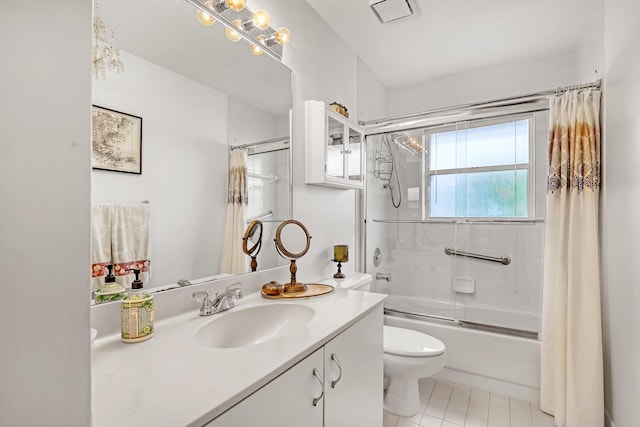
110 291
136 313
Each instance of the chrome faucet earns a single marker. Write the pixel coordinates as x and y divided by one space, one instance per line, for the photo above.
221 302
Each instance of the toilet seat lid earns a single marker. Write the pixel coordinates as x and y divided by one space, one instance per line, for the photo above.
406 342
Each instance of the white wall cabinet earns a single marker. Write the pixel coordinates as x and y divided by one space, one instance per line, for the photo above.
348 388
334 148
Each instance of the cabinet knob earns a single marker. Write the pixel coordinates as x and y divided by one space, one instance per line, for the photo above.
316 374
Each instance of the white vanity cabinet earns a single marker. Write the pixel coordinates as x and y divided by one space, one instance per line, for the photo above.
349 387
334 148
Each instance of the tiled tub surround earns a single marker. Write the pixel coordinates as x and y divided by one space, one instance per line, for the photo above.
446 404
172 380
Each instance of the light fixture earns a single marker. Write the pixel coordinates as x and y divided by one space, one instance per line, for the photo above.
105 56
233 35
236 5
281 36
242 23
205 18
261 19
255 49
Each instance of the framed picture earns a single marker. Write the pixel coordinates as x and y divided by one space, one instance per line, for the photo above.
116 140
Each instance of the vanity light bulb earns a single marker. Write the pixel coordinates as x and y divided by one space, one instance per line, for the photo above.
257 50
236 5
261 19
204 18
233 36
283 36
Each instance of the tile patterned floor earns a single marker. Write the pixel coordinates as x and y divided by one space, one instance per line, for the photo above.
445 404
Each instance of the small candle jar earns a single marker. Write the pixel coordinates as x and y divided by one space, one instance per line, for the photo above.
341 253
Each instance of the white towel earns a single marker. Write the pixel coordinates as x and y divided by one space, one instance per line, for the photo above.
100 243
130 242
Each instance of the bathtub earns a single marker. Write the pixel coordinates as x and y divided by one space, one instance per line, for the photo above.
481 314
504 364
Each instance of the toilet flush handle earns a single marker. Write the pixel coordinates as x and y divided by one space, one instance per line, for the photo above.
383 276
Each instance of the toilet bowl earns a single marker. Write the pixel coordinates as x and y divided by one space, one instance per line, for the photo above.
408 356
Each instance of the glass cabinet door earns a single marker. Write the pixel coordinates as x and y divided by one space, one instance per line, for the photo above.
335 148
355 156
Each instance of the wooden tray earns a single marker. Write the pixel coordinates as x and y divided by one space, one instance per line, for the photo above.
313 290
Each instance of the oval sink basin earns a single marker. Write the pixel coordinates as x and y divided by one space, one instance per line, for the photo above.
253 325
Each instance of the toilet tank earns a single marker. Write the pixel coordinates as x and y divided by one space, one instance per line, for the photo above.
354 281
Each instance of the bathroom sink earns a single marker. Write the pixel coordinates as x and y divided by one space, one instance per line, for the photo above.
253 325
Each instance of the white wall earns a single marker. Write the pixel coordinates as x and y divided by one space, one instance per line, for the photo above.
45 93
620 211
502 80
324 69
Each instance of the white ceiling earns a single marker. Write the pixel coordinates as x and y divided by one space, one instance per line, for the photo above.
449 36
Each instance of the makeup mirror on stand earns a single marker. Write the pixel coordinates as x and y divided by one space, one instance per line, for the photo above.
252 242
292 242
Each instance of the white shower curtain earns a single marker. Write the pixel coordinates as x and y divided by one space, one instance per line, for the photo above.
233 258
571 386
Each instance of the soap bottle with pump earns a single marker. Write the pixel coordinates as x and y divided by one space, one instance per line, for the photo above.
110 291
136 313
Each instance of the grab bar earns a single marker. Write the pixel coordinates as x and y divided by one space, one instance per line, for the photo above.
502 260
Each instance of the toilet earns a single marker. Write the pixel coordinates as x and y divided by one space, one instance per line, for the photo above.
408 356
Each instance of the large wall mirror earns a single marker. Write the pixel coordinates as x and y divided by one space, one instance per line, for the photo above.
198 94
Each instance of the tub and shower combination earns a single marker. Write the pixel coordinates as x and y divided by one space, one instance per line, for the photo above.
458 263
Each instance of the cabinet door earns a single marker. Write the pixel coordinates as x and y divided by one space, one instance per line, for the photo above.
353 375
287 401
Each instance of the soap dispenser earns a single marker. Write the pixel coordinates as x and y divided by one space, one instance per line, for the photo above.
110 291
136 313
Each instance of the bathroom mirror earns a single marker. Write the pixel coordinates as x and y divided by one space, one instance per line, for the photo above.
252 242
292 242
197 94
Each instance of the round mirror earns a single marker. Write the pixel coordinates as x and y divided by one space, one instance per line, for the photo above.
292 242
252 242
292 239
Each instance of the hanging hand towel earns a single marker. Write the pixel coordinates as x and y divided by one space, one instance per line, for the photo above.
130 241
100 243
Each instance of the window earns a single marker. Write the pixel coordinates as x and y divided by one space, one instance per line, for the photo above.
481 169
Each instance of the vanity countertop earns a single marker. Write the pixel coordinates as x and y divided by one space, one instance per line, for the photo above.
171 380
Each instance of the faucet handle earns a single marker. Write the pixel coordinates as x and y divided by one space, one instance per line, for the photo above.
202 296
237 288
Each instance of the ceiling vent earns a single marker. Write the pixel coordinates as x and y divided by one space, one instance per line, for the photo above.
391 10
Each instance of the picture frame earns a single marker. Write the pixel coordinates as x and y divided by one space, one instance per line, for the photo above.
116 141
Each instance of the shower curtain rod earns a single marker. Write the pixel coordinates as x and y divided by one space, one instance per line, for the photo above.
512 100
253 144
